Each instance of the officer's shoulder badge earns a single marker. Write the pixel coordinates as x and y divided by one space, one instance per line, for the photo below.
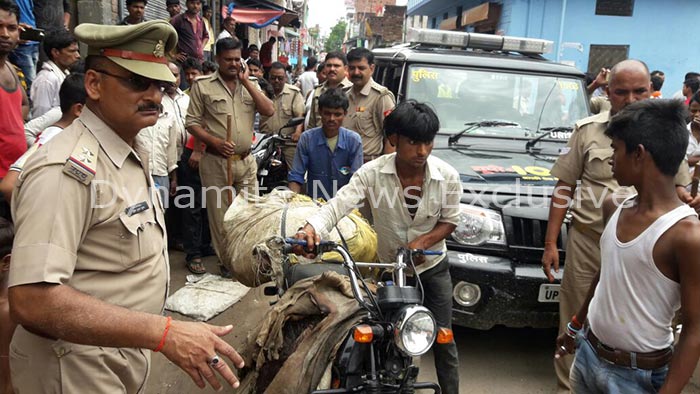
82 162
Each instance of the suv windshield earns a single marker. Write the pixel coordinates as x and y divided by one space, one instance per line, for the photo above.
532 101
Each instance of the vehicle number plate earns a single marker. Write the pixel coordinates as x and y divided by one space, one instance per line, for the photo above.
549 293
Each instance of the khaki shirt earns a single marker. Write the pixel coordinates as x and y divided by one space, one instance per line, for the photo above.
366 114
599 104
315 115
86 237
288 104
211 102
586 160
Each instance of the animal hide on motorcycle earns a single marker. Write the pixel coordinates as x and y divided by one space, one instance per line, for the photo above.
252 220
273 364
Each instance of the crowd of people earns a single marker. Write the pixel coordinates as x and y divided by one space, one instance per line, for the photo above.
155 128
151 113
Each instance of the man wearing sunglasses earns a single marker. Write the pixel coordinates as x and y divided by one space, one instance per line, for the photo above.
92 272
288 104
228 92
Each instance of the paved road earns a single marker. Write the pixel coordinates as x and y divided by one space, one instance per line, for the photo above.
501 360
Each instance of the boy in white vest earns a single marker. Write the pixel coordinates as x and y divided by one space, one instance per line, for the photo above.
650 266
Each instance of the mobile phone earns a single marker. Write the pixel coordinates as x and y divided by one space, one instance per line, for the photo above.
29 34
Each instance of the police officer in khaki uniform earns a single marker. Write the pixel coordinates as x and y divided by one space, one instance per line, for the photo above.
586 160
228 91
90 272
289 104
370 103
336 66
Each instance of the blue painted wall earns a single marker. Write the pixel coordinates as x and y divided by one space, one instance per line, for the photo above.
659 32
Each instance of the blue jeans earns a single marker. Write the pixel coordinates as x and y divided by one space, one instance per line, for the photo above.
591 374
26 57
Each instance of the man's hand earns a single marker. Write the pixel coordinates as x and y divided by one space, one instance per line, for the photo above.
181 57
194 160
191 347
685 196
296 135
173 187
308 234
418 243
565 345
601 80
550 259
225 148
243 73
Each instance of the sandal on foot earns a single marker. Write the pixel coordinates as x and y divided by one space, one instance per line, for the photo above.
195 266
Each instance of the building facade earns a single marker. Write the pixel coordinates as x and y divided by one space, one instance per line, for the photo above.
588 34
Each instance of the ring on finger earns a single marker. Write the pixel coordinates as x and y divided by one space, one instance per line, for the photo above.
214 361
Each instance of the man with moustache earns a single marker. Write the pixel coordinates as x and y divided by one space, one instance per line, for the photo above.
370 103
336 66
91 273
585 164
136 10
288 104
229 91
13 99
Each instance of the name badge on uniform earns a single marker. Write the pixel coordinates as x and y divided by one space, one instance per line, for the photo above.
136 208
361 109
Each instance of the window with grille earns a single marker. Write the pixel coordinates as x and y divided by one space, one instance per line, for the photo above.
606 56
614 7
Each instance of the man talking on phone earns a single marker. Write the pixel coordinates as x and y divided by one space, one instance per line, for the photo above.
228 92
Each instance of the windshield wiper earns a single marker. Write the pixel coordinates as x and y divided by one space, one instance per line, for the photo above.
547 131
471 126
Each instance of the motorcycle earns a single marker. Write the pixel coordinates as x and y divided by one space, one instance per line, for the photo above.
377 354
272 167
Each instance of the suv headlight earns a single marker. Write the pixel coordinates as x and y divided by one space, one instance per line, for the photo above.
478 226
415 330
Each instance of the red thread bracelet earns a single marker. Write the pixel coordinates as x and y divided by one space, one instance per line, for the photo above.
165 334
576 323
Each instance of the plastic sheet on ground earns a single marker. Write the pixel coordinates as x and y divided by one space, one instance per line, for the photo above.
206 297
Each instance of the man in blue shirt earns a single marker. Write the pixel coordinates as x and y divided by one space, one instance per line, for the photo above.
327 155
26 55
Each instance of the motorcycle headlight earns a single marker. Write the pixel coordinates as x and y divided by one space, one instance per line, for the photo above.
478 226
415 330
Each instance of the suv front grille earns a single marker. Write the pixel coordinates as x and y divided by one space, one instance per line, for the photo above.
526 238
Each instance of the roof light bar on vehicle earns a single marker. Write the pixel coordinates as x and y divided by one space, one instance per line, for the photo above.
479 41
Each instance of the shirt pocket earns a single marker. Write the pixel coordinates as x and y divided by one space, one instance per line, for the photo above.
287 110
364 123
140 238
598 165
218 104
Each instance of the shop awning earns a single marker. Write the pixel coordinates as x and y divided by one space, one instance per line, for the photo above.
261 13
253 16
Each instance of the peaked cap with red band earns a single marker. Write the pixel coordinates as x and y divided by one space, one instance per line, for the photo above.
139 48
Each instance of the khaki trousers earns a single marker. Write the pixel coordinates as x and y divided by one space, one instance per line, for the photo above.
581 265
45 366
212 170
